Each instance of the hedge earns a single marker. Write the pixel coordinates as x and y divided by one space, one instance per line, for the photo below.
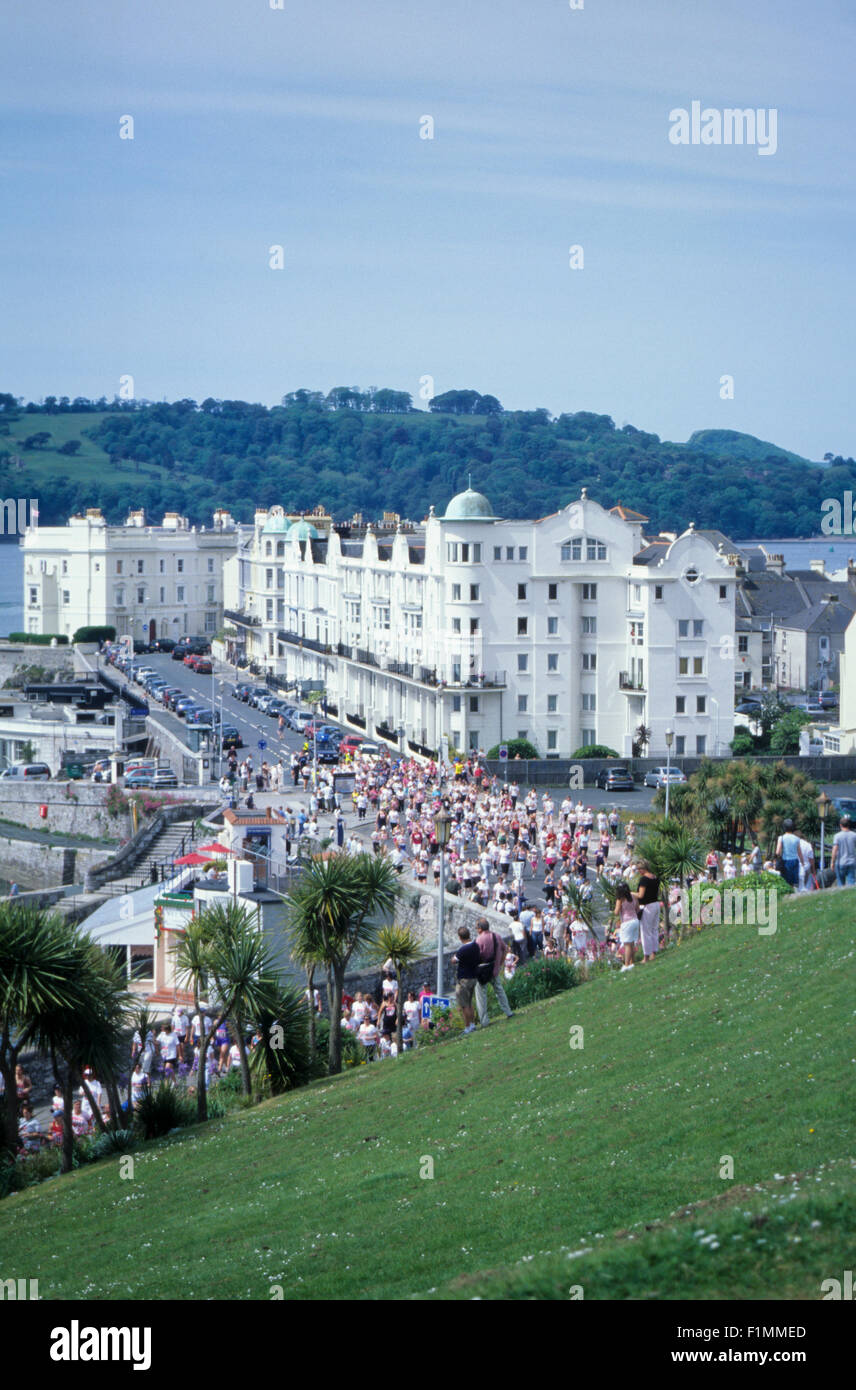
95 634
38 639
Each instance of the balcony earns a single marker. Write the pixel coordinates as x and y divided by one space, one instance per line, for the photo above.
628 681
242 619
308 643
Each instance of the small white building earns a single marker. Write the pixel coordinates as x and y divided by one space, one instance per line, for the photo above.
146 581
568 631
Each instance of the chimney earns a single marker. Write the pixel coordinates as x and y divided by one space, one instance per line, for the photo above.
817 567
776 564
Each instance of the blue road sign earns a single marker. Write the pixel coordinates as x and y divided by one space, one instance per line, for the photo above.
503 751
433 1001
262 744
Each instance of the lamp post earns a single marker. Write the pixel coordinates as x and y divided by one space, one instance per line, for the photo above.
670 734
823 804
442 833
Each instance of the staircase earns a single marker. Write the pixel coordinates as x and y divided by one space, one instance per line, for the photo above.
172 843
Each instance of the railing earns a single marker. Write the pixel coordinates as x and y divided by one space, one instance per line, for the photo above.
626 681
357 719
244 619
365 658
295 639
401 668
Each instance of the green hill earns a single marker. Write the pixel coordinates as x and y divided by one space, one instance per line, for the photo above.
192 459
731 444
553 1166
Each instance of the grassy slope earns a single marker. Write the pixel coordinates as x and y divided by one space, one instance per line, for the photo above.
89 463
733 1044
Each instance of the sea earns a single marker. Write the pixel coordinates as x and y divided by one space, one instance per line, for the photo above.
11 588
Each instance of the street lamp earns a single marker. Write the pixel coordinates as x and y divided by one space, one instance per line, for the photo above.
442 834
670 734
823 804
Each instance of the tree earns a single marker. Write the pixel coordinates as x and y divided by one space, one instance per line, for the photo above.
785 736
37 441
674 851
402 946
334 908
595 750
517 748
641 739
70 447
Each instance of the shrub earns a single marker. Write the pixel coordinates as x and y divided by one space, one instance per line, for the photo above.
163 1109
540 979
94 634
38 639
742 742
115 1141
517 748
596 750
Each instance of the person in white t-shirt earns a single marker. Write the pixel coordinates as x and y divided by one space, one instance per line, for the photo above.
139 1085
358 1008
369 1037
234 1057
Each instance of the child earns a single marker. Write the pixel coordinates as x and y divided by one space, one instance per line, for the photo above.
627 916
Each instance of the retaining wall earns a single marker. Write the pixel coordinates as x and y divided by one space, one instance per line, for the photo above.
556 772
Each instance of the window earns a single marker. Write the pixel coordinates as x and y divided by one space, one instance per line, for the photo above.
552 704
162 566
552 592
210 594
268 579
141 595
97 566
509 552
268 548
637 593
590 702
683 627
455 738
522 627
179 565
120 598
522 661
595 550
179 594
552 739
269 610
691 575
683 666
162 593
456 624
637 634
572 550
701 704
522 552
552 627
701 743
34 596
474 625
497 552
456 592
522 704
743 644
552 661
680 704
589 736
210 622
698 666
521 592
698 627
723 591
589 627
141 567
141 962
118 566
589 593
680 745
66 597
475 740
589 661
456 704
65 567
211 562
658 592
474 704
474 593
523 733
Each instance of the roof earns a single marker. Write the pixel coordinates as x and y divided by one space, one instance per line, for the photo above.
627 513
821 617
651 553
268 817
469 506
302 530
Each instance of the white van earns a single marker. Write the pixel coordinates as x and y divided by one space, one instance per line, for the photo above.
30 772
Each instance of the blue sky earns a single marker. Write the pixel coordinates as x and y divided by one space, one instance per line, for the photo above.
448 257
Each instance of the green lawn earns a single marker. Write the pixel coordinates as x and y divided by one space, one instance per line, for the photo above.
553 1166
88 464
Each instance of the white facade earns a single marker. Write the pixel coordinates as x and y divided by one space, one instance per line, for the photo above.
146 581
568 630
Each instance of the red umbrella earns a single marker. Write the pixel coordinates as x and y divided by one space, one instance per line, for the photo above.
215 848
193 859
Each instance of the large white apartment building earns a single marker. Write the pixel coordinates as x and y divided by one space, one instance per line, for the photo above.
569 630
146 581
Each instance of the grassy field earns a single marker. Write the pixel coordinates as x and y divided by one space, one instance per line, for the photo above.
555 1168
88 464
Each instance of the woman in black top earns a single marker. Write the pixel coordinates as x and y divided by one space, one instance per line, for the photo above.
646 894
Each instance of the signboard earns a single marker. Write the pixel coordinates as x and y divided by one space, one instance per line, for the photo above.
503 752
433 1001
262 744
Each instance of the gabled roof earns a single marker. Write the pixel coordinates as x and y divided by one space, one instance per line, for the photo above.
821 617
627 513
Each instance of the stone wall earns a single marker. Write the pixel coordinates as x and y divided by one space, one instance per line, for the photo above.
556 772
74 808
41 865
13 656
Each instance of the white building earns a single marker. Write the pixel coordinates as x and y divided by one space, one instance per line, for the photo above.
146 581
570 630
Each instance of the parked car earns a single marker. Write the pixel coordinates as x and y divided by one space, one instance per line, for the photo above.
171 694
28 772
264 701
351 743
748 707
179 651
828 699
152 777
259 692
370 750
163 644
615 779
659 776
182 706
200 714
844 806
328 753
203 666
140 765
299 720
243 691
812 707
231 737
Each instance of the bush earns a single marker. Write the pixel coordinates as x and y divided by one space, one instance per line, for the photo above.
517 748
38 639
115 1141
94 634
742 742
595 750
540 979
760 880
163 1109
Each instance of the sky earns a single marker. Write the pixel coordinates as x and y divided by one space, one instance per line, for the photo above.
430 264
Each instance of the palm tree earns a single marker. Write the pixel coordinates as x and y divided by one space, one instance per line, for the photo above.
333 910
284 1057
402 946
673 851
